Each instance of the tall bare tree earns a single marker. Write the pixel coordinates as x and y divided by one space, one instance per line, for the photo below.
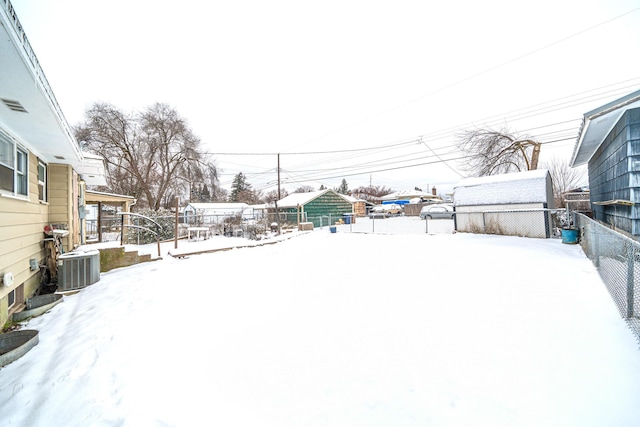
492 152
212 174
272 195
147 154
304 189
372 193
564 178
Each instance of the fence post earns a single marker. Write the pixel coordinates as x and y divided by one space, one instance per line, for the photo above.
596 246
630 264
121 230
158 238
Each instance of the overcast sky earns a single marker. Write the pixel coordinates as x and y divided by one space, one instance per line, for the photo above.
394 80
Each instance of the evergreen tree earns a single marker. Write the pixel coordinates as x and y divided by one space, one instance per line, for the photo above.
238 187
205 196
344 187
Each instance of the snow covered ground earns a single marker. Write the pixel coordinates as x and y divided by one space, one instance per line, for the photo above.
336 329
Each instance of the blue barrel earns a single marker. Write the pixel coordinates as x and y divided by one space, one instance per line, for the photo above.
332 229
570 236
347 218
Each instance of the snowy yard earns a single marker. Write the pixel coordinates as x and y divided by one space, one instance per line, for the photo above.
337 330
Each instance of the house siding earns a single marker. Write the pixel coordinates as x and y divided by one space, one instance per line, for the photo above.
326 205
614 173
21 225
62 200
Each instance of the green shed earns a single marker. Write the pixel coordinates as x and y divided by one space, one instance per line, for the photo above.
322 208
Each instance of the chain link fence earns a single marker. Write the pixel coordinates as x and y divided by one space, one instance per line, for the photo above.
617 258
538 223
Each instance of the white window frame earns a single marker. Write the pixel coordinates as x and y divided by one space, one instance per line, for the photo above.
43 183
15 159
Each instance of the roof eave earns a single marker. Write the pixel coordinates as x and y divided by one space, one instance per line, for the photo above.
583 152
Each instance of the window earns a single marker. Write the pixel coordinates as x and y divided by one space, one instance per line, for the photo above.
42 181
11 298
13 166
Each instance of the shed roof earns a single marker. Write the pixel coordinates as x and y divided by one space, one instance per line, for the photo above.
301 199
596 125
510 188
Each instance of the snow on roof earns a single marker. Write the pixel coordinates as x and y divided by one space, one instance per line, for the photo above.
218 208
218 205
520 187
408 194
295 199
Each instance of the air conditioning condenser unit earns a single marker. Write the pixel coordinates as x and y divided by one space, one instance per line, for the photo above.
78 269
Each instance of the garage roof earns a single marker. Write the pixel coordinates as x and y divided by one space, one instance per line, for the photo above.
510 188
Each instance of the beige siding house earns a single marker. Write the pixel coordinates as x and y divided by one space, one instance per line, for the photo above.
43 172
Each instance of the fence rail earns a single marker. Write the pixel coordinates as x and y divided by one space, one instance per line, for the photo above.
540 222
617 258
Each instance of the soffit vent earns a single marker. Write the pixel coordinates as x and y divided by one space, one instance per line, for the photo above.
14 105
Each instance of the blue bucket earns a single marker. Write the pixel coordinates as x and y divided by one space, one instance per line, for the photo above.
570 236
332 229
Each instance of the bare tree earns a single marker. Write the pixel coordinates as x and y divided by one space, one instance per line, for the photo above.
564 178
304 189
493 152
272 195
212 172
145 153
371 193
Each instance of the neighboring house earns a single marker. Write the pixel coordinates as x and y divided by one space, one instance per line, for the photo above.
509 204
609 143
411 200
408 195
43 172
576 199
322 208
214 213
360 206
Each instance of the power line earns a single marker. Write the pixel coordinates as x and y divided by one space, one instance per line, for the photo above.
478 74
553 136
302 153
